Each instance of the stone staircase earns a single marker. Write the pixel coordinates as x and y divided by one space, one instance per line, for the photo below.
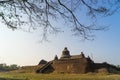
44 67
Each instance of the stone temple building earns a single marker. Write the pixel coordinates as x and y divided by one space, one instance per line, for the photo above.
73 64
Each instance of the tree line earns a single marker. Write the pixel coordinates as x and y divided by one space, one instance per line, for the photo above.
5 67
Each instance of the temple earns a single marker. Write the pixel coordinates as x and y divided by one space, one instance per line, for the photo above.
68 63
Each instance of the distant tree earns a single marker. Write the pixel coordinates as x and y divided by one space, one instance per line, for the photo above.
43 13
14 67
118 66
5 67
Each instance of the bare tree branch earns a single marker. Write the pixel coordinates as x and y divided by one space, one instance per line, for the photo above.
41 13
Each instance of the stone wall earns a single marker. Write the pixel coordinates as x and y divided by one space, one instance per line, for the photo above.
71 65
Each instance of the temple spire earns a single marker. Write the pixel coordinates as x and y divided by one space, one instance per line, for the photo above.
56 58
65 53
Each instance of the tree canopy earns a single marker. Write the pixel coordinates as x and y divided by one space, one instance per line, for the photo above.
4 67
42 13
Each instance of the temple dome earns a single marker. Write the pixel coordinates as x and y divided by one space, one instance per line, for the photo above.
65 53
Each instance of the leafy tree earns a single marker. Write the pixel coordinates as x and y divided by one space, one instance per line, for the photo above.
43 13
14 67
4 67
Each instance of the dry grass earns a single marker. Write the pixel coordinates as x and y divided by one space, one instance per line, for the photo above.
34 76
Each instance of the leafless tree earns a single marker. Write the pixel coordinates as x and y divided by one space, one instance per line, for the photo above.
41 13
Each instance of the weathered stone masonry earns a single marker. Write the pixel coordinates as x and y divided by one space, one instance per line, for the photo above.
72 64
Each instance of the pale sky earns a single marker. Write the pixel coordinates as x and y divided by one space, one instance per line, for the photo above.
23 48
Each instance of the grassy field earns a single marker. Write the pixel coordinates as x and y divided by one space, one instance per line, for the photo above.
34 76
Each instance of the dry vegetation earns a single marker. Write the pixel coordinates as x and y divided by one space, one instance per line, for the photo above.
33 76
27 73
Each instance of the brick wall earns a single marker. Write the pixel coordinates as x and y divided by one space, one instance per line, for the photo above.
71 65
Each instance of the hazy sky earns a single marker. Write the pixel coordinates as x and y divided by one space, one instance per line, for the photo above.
23 48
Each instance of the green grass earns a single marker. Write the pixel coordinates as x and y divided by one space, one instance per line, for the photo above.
34 76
